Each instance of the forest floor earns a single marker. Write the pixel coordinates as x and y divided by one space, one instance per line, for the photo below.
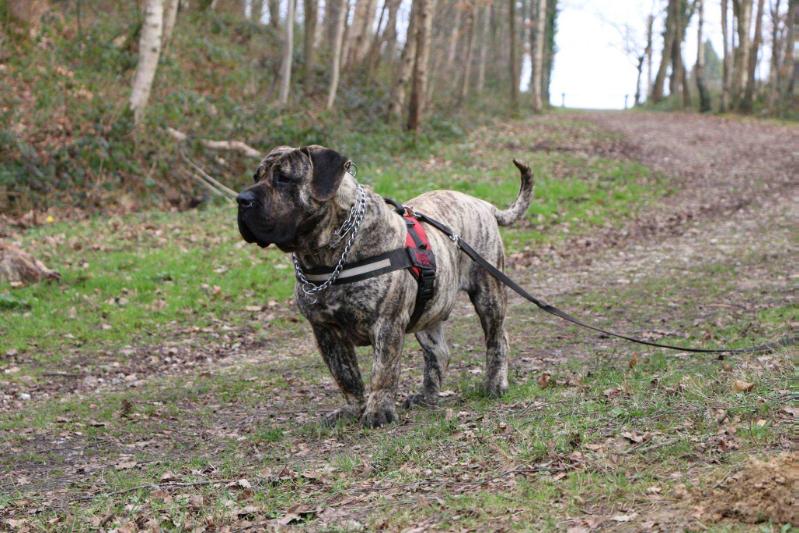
168 381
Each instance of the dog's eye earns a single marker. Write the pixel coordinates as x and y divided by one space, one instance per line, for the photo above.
281 179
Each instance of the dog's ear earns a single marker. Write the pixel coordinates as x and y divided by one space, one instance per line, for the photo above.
328 171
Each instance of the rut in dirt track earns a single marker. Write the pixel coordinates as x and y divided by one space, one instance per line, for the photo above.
716 166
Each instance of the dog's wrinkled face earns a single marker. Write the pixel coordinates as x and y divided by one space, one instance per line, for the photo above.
292 188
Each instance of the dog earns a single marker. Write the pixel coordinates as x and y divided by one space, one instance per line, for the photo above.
301 198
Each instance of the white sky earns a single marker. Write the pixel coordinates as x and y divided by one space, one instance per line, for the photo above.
590 66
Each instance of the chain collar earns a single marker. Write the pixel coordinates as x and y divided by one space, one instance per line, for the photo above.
350 227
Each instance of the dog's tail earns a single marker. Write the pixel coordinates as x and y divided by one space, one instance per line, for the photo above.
506 217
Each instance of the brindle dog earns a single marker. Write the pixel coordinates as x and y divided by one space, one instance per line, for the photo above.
301 196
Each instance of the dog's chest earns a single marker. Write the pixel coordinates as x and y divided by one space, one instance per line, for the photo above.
350 308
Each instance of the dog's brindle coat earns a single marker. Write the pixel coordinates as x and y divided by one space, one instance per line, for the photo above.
301 196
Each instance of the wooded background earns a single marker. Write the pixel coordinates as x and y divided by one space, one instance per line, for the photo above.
102 98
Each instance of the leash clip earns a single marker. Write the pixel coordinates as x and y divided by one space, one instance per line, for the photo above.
454 237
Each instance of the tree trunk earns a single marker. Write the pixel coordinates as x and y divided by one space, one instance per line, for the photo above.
467 60
665 57
650 20
774 66
704 97
335 69
361 27
514 74
149 52
538 57
274 14
743 14
170 18
484 44
309 44
727 58
790 66
419 85
390 33
256 11
18 267
405 68
27 14
749 95
453 38
640 69
288 55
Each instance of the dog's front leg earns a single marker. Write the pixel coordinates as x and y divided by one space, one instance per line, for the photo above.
339 355
387 339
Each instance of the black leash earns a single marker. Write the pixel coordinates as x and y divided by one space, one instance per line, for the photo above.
552 310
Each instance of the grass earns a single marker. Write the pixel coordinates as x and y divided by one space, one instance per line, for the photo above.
137 278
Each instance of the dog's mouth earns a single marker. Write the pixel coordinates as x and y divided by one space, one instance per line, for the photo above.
253 230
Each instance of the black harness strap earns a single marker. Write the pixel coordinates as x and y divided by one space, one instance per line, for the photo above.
552 310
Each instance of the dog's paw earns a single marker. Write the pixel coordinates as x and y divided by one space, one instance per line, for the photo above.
379 412
344 415
420 400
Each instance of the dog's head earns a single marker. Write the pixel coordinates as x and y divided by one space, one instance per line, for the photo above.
288 200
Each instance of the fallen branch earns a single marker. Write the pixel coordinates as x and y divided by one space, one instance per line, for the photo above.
207 177
153 486
233 146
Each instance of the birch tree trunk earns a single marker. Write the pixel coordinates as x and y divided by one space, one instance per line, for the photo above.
170 18
149 52
467 60
704 97
288 56
484 44
743 13
338 40
361 27
420 73
538 57
390 33
405 68
309 43
727 58
513 64
749 94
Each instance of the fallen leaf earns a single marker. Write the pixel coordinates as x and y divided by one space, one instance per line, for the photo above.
624 517
167 476
633 361
742 386
544 380
125 465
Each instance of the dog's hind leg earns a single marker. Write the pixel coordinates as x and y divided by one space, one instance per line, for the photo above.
490 301
436 359
339 355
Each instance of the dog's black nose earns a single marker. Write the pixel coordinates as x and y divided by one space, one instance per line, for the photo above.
246 199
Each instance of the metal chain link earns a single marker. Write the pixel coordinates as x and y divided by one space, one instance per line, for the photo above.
357 211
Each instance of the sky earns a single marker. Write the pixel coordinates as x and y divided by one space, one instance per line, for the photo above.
591 67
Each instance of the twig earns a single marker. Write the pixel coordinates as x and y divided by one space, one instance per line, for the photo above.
151 486
207 185
236 146
207 177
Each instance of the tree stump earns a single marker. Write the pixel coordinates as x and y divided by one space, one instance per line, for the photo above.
18 267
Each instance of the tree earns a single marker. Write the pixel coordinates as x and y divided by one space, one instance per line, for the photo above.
309 48
650 20
484 45
288 55
538 57
776 48
170 18
405 68
149 53
467 60
749 94
665 58
420 73
742 10
790 66
514 64
274 14
704 96
726 85
341 16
